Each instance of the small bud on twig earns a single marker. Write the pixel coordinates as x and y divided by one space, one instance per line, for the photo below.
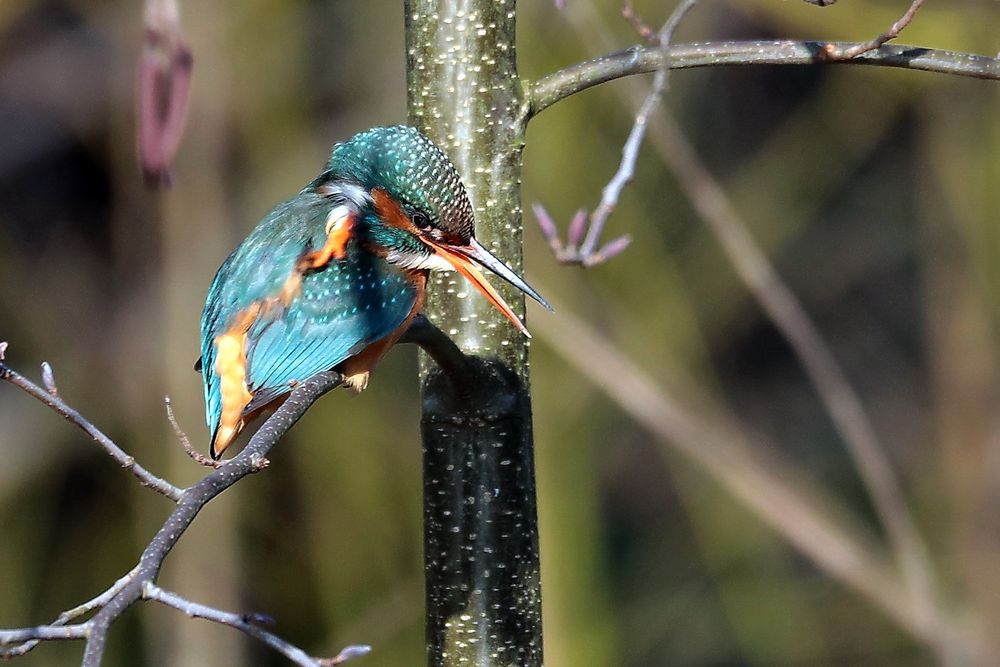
573 251
349 653
49 379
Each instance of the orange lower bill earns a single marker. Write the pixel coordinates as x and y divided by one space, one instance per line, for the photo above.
468 268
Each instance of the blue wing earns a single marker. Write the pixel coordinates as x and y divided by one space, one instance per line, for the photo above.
341 308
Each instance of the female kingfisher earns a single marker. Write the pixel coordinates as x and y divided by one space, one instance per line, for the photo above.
331 278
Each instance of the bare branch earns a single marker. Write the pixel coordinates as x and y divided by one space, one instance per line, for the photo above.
643 59
570 253
54 402
140 582
198 457
872 44
645 33
630 152
137 583
43 633
243 623
194 498
70 614
586 254
776 492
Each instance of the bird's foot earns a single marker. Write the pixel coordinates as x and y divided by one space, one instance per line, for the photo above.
356 383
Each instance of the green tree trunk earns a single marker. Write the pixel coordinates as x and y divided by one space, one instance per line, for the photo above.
480 525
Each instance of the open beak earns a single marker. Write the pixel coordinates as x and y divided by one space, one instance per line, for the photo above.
468 258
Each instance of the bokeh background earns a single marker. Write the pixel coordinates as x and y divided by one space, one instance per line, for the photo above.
874 191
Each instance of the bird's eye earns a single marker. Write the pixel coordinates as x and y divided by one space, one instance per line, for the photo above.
421 221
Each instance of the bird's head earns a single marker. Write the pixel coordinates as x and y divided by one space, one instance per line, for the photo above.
419 209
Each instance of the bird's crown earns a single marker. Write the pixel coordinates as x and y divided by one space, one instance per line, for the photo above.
412 170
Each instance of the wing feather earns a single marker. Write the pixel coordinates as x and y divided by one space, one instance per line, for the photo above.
322 326
332 319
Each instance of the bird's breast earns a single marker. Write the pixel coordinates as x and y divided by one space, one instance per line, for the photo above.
364 361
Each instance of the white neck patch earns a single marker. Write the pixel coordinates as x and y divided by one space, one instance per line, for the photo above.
415 260
348 192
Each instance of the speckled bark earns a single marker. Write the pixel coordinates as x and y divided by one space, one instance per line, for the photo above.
481 538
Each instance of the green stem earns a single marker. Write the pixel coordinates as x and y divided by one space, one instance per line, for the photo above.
481 532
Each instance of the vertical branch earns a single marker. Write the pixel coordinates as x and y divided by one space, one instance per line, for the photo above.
480 526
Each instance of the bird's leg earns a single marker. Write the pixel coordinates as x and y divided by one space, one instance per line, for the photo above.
442 350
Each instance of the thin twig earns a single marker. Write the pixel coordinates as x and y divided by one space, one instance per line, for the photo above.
54 402
643 59
630 152
586 253
872 44
240 621
185 441
196 497
71 614
132 587
44 633
140 583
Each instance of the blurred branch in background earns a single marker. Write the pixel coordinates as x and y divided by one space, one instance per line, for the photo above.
777 300
836 393
779 494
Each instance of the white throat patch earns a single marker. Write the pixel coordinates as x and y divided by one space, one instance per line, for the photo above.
413 260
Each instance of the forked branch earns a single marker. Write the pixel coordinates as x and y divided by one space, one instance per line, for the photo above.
585 252
140 582
880 39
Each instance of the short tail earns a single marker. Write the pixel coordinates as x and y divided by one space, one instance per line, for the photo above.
223 437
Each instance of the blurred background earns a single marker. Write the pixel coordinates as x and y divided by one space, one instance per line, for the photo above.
874 191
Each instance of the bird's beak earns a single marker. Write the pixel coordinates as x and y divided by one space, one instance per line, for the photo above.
468 258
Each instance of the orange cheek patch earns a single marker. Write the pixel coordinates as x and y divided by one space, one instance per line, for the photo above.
390 212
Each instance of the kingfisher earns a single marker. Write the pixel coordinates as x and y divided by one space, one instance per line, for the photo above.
331 278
